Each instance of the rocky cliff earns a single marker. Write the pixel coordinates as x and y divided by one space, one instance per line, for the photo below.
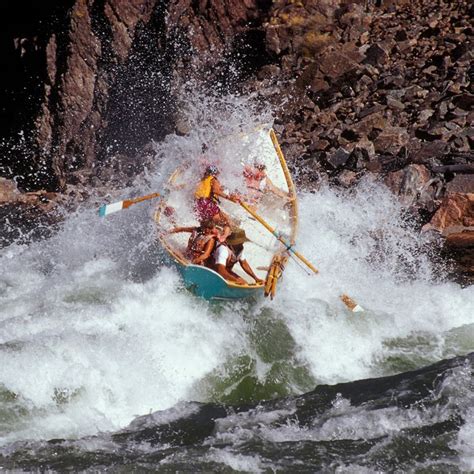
381 88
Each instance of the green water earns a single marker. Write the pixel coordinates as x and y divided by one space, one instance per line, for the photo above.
269 369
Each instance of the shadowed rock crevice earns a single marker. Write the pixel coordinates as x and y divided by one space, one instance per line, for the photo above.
27 31
141 105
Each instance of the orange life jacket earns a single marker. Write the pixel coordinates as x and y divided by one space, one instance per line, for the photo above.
204 189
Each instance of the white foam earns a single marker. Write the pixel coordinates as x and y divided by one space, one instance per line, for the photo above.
96 329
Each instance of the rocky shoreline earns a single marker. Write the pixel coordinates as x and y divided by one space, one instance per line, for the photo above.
381 88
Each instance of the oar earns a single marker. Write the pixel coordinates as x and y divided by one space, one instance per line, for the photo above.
278 236
348 301
107 209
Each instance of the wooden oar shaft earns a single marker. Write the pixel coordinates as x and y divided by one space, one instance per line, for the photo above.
129 202
279 237
347 300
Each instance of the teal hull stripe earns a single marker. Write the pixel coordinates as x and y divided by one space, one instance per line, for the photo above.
209 285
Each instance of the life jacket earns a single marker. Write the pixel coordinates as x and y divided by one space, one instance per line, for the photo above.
204 189
197 243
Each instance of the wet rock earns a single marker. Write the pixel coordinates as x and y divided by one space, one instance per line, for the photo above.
346 178
456 214
8 190
101 74
415 185
9 194
269 71
463 241
182 127
338 159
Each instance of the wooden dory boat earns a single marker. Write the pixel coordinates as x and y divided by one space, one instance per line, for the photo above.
265 254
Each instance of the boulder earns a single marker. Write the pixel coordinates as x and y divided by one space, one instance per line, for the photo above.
346 178
375 120
461 183
375 55
338 159
334 64
391 139
415 186
456 214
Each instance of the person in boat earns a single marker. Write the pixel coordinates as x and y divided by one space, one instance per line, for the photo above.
228 253
206 203
201 243
259 183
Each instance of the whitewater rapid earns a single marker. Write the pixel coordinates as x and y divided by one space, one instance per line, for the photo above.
97 329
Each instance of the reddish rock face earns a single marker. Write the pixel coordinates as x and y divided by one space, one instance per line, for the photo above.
456 214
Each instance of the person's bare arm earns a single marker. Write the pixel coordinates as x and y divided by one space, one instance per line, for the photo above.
206 254
248 270
218 190
223 272
177 230
275 190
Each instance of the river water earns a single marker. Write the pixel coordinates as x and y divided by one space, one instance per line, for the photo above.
106 361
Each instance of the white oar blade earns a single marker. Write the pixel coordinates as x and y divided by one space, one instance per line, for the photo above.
107 209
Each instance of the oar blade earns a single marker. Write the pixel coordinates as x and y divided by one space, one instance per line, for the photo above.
107 209
351 304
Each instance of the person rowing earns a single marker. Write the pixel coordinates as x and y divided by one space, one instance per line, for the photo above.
228 253
258 183
201 242
206 200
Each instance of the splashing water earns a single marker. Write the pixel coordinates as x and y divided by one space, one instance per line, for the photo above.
96 328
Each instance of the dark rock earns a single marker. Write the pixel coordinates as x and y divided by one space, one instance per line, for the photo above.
462 183
401 35
358 159
428 152
458 168
375 55
338 159
391 139
428 135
